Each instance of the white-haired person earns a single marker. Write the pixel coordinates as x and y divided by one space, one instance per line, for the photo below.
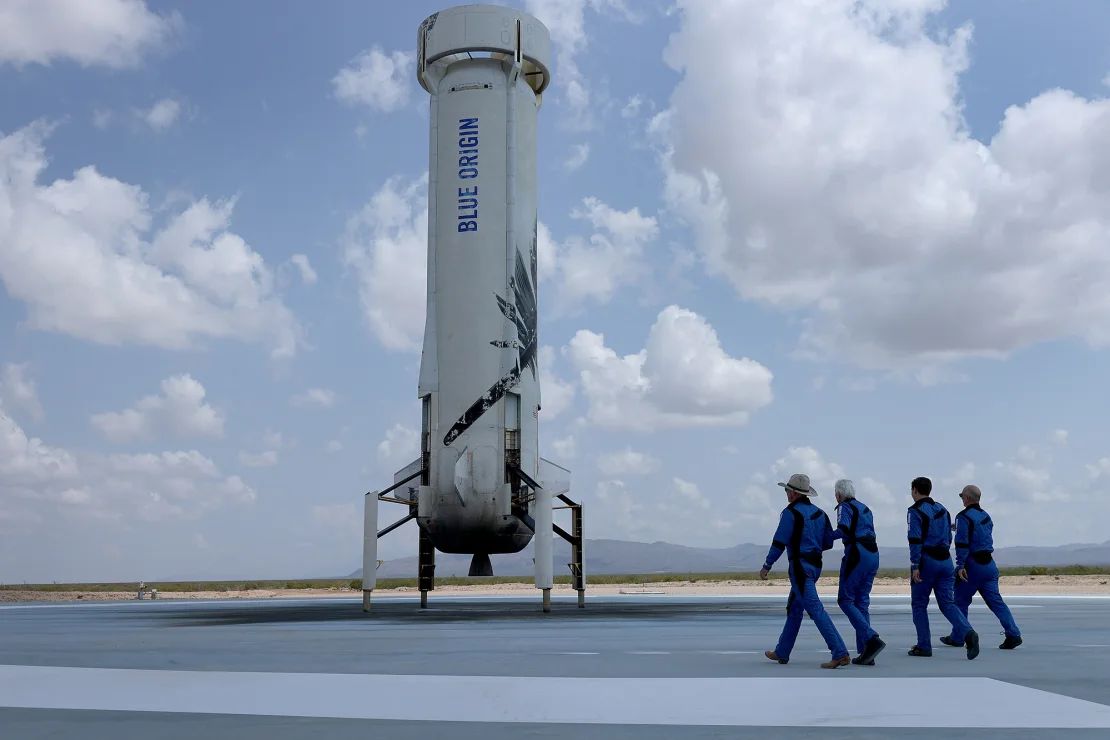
856 526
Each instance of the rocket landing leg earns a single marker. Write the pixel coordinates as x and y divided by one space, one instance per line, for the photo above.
577 542
370 533
577 566
576 539
543 538
369 547
426 568
545 528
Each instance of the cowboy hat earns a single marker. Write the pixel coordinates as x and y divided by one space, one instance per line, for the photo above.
799 483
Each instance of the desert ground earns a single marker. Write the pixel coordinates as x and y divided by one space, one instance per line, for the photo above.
1063 585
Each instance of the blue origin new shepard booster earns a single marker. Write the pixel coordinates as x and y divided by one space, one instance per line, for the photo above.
479 486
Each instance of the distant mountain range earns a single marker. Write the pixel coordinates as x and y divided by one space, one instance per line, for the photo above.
620 556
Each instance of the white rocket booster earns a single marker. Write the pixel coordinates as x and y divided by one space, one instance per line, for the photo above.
485 68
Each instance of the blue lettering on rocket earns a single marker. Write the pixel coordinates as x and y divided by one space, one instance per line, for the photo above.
468 170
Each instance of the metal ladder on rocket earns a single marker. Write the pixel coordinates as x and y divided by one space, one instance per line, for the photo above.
480 486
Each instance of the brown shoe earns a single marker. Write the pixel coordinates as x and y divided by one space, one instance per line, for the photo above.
837 662
772 656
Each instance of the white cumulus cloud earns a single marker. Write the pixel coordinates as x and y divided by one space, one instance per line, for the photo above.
1099 469
81 254
838 178
626 462
1028 476
887 509
386 244
579 154
304 267
180 410
28 460
822 474
18 391
162 114
111 33
556 394
264 459
400 446
565 448
41 482
546 253
592 269
682 378
632 106
376 78
690 492
319 397
566 21
963 475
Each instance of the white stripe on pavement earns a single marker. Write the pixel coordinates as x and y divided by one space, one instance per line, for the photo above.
829 702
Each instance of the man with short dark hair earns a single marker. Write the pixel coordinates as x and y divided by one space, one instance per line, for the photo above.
804 532
856 526
929 528
976 569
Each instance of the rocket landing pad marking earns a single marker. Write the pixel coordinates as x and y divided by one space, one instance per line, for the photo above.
757 701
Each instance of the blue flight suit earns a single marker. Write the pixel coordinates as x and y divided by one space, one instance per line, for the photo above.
856 525
804 532
974 545
930 536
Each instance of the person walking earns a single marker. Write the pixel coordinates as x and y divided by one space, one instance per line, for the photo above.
929 528
804 533
976 570
856 526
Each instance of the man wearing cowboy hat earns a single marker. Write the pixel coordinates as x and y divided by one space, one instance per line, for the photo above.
929 530
804 532
976 569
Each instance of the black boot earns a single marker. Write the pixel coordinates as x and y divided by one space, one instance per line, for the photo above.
972 643
947 640
873 647
1011 642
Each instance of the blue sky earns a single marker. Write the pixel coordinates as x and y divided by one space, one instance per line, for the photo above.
829 238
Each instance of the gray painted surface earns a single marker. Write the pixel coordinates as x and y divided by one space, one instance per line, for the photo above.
1067 651
28 724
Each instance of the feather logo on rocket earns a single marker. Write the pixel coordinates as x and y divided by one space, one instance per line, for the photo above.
523 313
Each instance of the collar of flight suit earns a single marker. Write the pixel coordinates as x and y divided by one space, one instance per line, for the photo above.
917 504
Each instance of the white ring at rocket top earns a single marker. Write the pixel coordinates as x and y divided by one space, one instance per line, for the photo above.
485 28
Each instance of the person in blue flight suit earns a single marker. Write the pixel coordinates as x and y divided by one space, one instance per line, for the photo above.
976 570
930 536
856 526
804 532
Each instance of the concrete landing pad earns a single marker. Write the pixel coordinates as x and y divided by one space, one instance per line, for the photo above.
628 666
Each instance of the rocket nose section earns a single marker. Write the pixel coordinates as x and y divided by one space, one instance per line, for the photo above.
480 565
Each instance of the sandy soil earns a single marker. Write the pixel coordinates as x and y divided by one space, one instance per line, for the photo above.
1015 585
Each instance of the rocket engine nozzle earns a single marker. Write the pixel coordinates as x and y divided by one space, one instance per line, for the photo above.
480 565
